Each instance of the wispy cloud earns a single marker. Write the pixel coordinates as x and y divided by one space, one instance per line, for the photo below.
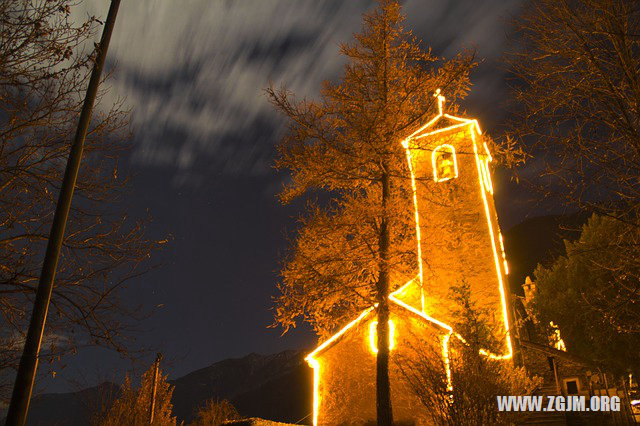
194 71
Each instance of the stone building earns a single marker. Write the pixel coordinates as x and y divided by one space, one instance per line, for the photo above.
345 365
457 240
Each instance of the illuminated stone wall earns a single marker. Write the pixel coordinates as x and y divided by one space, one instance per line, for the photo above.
347 386
460 237
458 240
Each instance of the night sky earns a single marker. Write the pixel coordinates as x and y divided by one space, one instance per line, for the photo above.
194 72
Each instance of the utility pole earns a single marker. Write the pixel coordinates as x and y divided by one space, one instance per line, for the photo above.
154 388
23 386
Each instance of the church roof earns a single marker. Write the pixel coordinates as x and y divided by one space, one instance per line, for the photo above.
555 352
442 122
402 298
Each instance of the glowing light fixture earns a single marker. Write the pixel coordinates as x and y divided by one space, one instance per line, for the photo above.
373 336
558 342
445 356
504 255
486 171
315 364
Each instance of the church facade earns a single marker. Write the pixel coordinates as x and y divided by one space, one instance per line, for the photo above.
458 241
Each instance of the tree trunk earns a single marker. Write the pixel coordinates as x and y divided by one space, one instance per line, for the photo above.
383 388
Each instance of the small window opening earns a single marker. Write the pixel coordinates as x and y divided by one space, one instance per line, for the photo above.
444 163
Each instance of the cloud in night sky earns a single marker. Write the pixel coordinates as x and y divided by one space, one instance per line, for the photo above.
193 71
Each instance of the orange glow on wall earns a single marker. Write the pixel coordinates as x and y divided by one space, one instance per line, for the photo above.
416 216
373 336
444 172
482 160
486 185
315 364
393 297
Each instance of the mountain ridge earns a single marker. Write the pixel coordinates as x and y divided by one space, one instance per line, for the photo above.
275 387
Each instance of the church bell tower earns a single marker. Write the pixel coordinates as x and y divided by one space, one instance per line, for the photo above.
457 232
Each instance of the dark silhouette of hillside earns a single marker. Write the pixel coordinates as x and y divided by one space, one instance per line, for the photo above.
275 387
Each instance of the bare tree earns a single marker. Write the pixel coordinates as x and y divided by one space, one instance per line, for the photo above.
577 89
132 407
215 413
45 64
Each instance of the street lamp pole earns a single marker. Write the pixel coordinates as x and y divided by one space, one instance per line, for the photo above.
154 388
23 386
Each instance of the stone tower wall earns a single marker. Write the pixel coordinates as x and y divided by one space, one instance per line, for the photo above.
456 240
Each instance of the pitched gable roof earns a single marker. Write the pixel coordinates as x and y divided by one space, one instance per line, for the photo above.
442 122
401 298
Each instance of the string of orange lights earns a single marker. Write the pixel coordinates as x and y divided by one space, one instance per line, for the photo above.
486 185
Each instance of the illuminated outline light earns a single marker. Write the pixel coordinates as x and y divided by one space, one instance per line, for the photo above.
445 356
445 339
342 331
442 130
462 121
485 182
486 171
503 297
410 308
559 343
445 148
504 255
315 364
373 336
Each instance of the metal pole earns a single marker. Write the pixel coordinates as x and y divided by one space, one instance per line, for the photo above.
23 386
154 388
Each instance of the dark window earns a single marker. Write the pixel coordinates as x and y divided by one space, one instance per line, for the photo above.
551 362
572 387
